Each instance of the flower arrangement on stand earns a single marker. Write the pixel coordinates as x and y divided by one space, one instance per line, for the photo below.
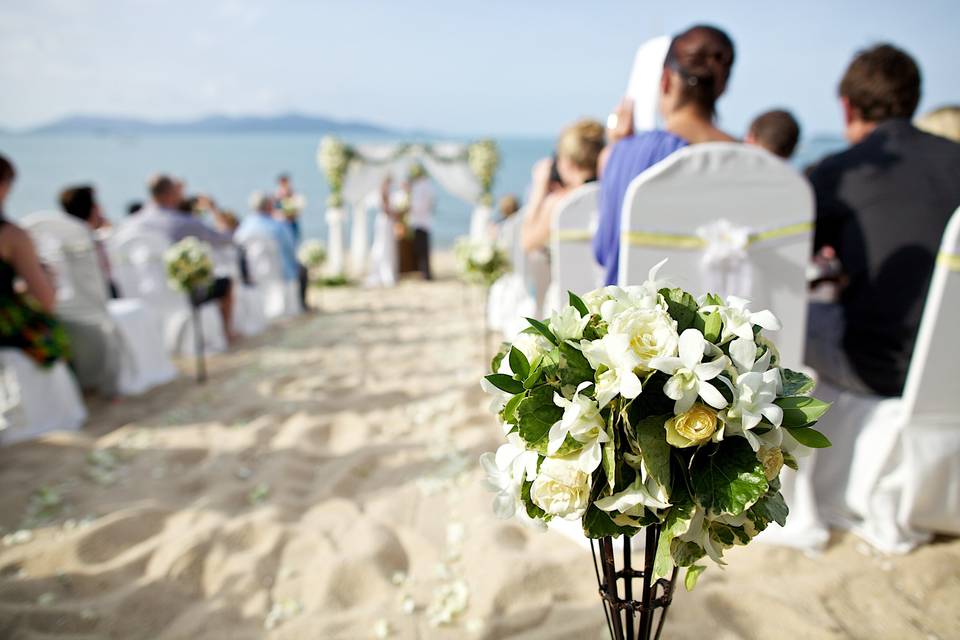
189 267
644 409
483 157
480 262
333 158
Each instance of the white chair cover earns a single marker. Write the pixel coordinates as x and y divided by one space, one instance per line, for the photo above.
249 317
34 400
67 246
695 207
572 265
280 296
510 302
136 257
893 473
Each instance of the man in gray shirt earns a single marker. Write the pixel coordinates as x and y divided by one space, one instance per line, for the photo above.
161 216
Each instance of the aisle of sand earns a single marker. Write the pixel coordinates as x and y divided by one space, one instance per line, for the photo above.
324 484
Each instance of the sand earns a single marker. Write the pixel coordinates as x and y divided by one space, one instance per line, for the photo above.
324 484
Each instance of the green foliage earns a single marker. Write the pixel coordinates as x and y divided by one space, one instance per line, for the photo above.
770 508
692 575
505 383
809 437
518 363
654 448
543 330
532 509
676 523
801 411
536 414
599 524
578 304
685 554
682 307
728 478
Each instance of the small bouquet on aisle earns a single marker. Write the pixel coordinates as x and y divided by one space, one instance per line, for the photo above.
189 265
480 261
643 409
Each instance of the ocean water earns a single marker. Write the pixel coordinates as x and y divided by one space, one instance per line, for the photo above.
230 167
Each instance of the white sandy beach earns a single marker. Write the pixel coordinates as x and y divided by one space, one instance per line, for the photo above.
324 484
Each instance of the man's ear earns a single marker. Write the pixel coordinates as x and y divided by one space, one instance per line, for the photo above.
665 81
850 113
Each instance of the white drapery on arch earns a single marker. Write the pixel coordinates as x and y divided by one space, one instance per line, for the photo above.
445 162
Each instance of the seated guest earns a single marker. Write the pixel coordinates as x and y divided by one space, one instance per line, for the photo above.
26 316
261 223
578 150
776 131
695 74
943 122
161 215
81 202
882 206
508 205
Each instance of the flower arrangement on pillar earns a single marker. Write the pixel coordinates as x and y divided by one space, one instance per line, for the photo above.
693 461
333 158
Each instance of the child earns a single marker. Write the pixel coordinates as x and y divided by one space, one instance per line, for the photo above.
776 131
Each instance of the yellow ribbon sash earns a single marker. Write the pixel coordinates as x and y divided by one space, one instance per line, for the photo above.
682 241
949 260
574 235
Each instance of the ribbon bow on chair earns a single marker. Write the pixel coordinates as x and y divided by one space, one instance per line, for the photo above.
724 266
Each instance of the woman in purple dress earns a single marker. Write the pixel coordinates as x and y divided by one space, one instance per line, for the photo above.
695 75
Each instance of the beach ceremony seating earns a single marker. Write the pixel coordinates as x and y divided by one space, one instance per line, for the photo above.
892 474
66 246
35 400
572 264
138 266
510 301
249 316
281 298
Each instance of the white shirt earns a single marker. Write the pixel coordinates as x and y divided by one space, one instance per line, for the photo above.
421 204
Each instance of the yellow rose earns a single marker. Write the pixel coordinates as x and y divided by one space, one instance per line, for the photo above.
693 427
772 459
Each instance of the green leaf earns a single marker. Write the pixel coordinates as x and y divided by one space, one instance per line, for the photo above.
518 363
790 461
509 413
801 411
809 437
598 524
498 358
505 383
729 478
654 448
692 575
795 383
596 328
685 554
532 510
709 325
578 304
543 330
609 460
675 524
536 414
770 508
712 299
574 367
681 306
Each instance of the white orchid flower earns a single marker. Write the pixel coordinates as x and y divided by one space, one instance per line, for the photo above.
631 501
699 533
567 324
743 353
581 420
499 398
614 353
754 395
738 320
609 302
689 377
506 470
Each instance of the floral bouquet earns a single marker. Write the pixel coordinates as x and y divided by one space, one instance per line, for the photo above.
291 206
333 158
480 261
189 265
312 254
644 408
483 157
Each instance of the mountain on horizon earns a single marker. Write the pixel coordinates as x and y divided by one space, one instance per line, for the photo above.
286 123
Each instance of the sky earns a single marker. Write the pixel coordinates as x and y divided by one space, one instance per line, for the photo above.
497 67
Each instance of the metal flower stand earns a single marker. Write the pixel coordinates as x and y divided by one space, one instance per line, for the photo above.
639 609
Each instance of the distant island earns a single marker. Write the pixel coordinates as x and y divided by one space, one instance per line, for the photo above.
286 123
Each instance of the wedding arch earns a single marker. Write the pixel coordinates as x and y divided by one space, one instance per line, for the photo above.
354 172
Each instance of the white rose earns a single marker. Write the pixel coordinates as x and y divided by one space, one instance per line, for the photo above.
567 324
652 333
561 488
482 253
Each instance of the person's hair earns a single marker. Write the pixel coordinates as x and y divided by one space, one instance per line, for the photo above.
188 204
581 143
263 202
508 205
7 170
703 57
78 201
776 131
229 219
161 185
943 122
134 207
882 82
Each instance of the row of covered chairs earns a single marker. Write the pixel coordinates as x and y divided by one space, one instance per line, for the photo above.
34 400
736 220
